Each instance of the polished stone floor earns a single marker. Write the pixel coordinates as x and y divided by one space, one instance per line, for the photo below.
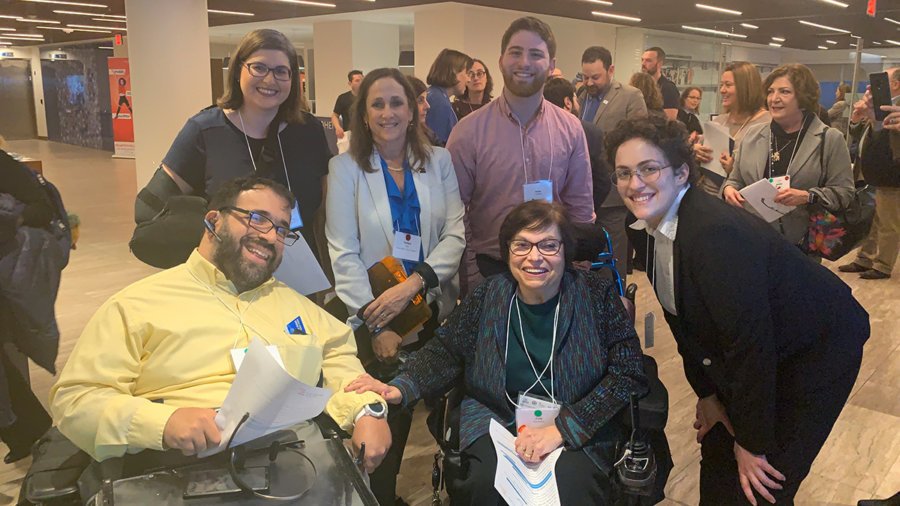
860 460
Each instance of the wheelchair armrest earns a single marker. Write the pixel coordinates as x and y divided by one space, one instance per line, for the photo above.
55 469
653 407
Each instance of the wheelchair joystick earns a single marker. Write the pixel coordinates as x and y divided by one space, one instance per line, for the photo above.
636 469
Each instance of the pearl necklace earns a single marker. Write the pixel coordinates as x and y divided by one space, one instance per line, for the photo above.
393 169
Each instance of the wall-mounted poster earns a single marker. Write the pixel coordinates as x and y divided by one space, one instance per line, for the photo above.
122 107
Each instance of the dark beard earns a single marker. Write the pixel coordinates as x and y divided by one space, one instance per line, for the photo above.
521 90
228 257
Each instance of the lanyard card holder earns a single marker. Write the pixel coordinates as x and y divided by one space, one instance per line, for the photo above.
535 412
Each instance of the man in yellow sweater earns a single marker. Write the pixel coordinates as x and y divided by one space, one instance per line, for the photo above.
155 360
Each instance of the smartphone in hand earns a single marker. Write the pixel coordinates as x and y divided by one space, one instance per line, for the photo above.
881 93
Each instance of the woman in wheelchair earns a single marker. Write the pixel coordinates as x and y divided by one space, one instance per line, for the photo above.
545 334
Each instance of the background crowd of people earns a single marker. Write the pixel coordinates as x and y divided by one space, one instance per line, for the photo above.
480 195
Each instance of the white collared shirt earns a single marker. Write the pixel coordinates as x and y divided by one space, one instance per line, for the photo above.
663 253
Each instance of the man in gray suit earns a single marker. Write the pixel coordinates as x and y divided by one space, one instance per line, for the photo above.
605 102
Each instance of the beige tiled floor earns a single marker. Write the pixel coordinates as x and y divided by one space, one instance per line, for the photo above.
860 460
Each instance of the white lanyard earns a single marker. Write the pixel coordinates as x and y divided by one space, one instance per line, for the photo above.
239 316
280 148
522 142
549 365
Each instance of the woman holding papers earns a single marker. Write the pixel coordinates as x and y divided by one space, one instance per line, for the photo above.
807 161
392 194
542 336
771 341
742 100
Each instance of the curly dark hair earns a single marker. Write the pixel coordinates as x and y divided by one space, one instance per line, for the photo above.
488 87
670 136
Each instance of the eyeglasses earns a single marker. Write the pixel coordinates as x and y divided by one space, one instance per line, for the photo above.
260 69
262 223
547 247
476 74
647 174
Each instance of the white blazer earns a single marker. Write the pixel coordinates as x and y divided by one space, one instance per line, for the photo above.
360 230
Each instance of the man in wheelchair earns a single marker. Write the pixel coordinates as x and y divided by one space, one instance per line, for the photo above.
543 333
158 357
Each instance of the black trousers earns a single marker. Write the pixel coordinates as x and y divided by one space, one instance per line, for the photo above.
580 482
805 418
32 420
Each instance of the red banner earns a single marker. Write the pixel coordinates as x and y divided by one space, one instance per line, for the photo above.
122 104
870 8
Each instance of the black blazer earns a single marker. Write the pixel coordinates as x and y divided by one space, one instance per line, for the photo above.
750 308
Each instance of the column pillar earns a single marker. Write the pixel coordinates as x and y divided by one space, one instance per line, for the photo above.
168 52
341 46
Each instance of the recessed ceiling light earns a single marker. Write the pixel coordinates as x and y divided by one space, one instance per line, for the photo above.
230 13
60 2
894 42
73 29
831 42
4 16
835 2
120 28
79 13
22 36
601 2
876 42
7 29
106 47
714 32
774 44
892 21
33 39
307 2
35 20
778 39
109 20
748 25
823 47
616 16
718 9
824 27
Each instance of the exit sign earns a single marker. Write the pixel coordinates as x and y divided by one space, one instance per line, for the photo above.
870 8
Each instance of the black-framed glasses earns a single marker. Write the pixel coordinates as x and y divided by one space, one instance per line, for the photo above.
263 224
476 74
260 69
647 173
521 247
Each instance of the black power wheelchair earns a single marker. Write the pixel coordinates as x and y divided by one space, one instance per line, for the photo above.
312 466
645 460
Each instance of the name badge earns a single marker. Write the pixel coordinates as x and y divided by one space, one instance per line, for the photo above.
535 413
237 356
539 190
295 327
781 182
296 220
407 246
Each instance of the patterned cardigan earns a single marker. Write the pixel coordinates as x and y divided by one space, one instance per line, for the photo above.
597 364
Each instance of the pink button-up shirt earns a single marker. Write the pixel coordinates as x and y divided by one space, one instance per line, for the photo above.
494 156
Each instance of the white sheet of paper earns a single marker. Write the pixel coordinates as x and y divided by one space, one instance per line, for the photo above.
519 483
717 138
760 199
274 399
300 270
